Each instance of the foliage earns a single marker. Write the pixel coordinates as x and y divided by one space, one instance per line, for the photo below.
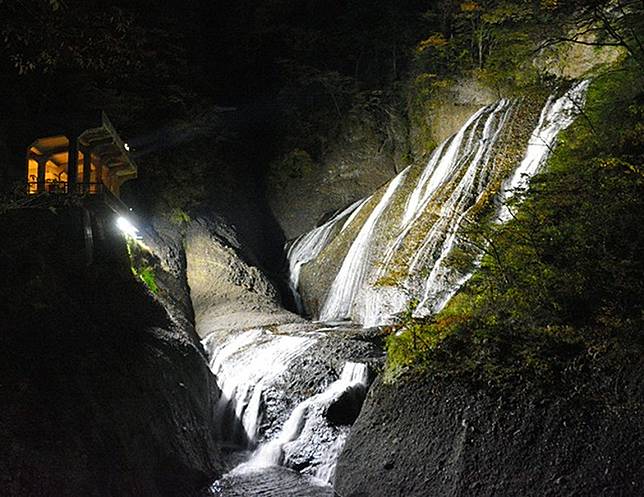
146 274
180 217
562 282
79 55
142 264
602 23
495 39
109 40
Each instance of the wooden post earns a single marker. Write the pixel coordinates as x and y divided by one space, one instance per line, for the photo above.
87 169
99 176
42 165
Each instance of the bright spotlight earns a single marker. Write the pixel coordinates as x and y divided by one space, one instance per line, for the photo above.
127 147
128 228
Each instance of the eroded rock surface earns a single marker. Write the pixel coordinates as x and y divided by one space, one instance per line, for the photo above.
227 292
422 437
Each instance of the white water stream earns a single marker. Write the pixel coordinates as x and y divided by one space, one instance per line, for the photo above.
248 366
422 235
467 155
350 278
556 116
458 174
306 417
245 366
308 246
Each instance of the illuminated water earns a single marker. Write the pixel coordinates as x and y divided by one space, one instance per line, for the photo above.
419 242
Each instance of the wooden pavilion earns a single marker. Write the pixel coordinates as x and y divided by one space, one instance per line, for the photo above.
91 160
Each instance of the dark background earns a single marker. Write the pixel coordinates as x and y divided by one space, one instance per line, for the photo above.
205 92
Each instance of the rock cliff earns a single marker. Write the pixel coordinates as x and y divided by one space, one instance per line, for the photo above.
425 436
103 391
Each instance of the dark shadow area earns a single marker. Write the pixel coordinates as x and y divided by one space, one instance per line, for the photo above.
102 393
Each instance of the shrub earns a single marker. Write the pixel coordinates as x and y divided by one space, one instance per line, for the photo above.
564 277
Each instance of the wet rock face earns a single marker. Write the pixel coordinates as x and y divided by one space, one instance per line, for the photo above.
345 410
362 157
571 61
227 292
313 371
281 382
455 105
103 393
422 437
273 482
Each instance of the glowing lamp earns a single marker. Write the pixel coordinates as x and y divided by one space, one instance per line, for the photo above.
128 228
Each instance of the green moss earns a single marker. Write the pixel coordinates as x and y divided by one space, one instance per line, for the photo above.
422 102
560 285
143 264
507 154
146 274
179 217
392 278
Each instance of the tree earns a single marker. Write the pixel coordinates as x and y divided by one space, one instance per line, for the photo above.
617 23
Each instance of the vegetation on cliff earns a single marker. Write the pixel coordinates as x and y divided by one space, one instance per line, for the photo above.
298 72
560 284
302 77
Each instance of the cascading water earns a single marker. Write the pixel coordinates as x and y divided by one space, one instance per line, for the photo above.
308 416
459 174
308 246
295 427
350 277
556 116
413 226
245 366
467 155
441 283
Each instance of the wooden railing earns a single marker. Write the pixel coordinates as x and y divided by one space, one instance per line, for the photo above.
58 187
59 192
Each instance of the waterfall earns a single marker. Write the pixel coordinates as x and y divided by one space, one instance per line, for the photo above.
376 281
307 419
254 412
411 230
348 281
468 154
440 167
556 116
442 283
308 246
245 366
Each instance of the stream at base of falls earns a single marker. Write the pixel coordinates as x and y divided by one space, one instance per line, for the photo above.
289 395
269 482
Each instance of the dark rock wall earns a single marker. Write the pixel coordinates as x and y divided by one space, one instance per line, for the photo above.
201 176
102 393
424 437
302 190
